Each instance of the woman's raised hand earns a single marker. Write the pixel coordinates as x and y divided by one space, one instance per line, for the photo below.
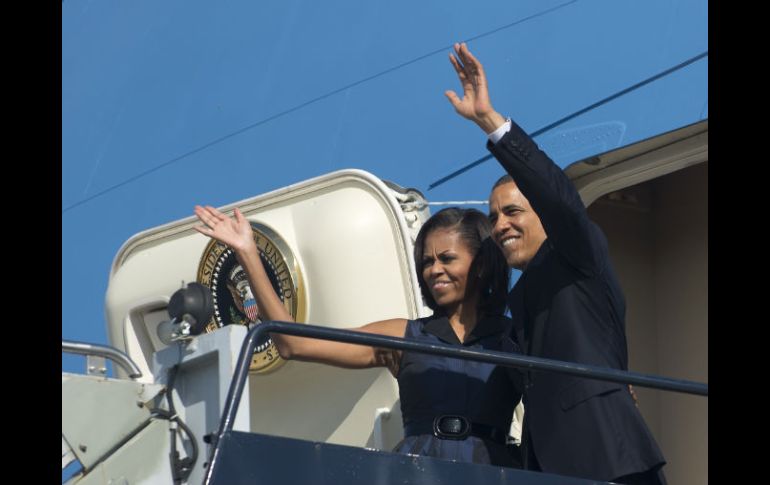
235 232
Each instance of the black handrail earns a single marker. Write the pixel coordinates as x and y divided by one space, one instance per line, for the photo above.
507 359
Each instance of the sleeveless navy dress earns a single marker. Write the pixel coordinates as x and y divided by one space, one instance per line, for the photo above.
431 386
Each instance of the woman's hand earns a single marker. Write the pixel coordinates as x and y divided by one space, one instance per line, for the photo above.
236 233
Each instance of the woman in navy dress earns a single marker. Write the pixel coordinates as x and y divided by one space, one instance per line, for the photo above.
452 409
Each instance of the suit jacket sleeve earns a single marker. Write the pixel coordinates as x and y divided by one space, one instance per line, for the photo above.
554 199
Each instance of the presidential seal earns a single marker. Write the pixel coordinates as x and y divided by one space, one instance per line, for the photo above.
234 302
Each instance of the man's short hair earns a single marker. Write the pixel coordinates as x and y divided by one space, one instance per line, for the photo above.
505 179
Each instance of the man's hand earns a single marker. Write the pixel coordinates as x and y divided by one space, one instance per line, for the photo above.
475 104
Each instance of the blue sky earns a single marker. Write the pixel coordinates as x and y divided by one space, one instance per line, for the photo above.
170 104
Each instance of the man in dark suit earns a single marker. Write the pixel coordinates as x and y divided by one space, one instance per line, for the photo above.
566 305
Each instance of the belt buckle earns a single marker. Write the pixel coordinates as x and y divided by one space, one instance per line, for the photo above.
451 427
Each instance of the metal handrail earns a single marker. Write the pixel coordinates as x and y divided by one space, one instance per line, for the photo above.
111 353
507 359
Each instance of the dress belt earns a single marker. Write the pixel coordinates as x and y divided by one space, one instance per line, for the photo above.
454 427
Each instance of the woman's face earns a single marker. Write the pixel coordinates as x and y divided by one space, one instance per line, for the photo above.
446 261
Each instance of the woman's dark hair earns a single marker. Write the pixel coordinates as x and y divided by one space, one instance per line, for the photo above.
488 273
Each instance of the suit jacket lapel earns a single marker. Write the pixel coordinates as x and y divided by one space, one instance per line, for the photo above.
516 305
536 342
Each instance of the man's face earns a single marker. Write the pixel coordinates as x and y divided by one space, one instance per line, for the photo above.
516 228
